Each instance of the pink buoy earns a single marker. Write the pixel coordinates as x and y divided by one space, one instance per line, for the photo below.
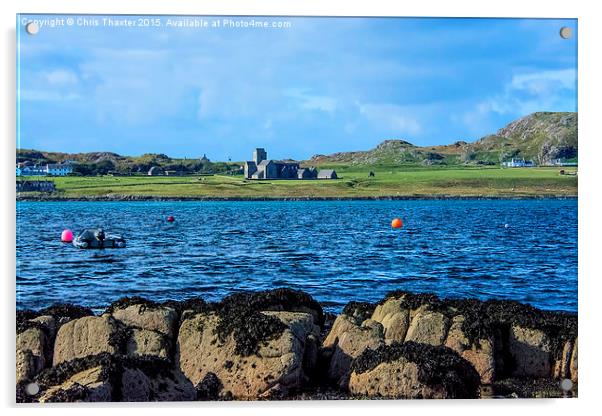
170 218
67 236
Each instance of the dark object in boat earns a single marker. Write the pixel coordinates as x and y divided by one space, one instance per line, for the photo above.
97 238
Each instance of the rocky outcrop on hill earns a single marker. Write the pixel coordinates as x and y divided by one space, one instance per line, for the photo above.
279 344
542 137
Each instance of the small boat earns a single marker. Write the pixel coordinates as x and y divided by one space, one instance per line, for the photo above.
97 238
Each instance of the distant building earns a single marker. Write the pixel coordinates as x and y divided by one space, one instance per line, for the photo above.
51 169
35 186
327 174
156 171
259 155
174 173
204 159
263 168
518 163
562 162
307 173
59 169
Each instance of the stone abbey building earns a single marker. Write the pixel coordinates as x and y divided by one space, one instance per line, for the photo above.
263 168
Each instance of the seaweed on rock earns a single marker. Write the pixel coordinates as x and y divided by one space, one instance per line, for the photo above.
23 324
75 393
281 299
61 312
120 336
112 368
359 310
240 315
63 371
126 301
437 366
483 318
531 388
66 310
188 307
411 300
248 326
209 388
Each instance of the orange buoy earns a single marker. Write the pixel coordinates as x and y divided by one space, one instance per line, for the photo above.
396 223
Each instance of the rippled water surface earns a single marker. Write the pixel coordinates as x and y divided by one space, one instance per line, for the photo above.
338 251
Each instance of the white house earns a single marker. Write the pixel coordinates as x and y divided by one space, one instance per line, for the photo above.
59 169
51 169
518 163
562 162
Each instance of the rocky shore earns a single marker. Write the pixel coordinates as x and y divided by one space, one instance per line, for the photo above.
116 197
280 344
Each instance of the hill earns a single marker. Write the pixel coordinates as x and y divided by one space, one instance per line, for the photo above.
93 163
541 137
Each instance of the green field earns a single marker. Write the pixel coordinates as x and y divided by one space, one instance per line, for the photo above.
399 182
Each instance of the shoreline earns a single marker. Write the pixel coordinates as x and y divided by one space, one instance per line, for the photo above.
128 198
280 344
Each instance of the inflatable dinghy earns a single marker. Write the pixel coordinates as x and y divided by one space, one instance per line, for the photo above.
97 238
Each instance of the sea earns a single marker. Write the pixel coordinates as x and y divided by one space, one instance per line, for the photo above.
337 251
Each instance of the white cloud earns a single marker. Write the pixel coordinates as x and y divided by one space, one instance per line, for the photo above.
526 93
544 82
50 86
393 117
60 77
44 95
309 101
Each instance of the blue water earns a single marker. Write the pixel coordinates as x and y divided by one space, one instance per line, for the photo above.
337 251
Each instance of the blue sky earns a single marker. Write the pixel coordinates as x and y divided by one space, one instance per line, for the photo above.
323 85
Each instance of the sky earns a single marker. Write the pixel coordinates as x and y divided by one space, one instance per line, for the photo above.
311 86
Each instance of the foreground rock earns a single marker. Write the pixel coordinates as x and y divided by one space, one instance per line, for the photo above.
278 345
151 327
528 388
350 336
500 339
248 354
413 370
86 336
480 353
32 349
36 332
105 377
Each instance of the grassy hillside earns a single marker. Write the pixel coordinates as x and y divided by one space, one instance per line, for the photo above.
94 163
541 137
399 167
354 182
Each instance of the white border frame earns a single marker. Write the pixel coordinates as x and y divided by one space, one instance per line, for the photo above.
589 189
